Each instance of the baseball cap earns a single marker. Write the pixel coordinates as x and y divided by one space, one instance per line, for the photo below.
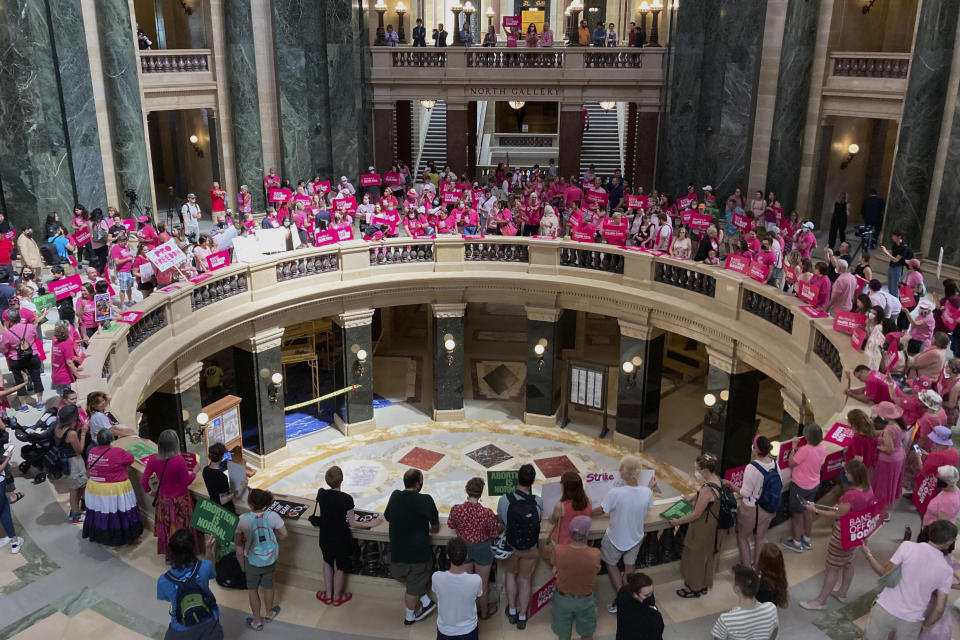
580 525
808 225
343 178
191 196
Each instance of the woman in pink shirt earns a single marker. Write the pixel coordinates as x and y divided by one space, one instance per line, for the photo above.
946 504
805 463
840 561
546 38
113 517
821 283
64 360
123 263
806 241
887 481
200 253
921 327
173 500
244 200
86 311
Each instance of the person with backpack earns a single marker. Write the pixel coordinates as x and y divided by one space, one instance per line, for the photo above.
761 497
840 561
17 344
521 512
708 518
627 506
805 463
258 546
71 438
194 614
413 517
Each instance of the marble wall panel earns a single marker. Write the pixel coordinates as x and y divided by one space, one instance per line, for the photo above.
947 219
344 59
244 99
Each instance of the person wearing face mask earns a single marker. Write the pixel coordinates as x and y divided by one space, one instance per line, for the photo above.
637 613
701 542
28 250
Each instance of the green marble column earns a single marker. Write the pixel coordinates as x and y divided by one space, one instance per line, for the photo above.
118 53
34 163
244 101
344 98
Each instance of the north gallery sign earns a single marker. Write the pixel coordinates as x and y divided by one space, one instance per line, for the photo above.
518 92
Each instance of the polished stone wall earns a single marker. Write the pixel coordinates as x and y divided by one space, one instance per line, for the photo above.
947 214
448 378
357 405
920 125
244 99
638 403
122 87
790 110
344 68
263 422
543 380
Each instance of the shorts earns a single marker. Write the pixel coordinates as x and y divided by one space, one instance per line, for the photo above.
62 388
612 555
523 563
77 478
337 561
259 576
473 635
882 625
415 576
565 610
126 280
798 496
480 553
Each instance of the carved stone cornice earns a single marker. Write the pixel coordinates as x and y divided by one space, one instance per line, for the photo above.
449 309
543 314
263 340
353 319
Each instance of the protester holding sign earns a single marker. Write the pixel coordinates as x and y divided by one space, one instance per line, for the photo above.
946 504
887 481
839 560
703 537
753 520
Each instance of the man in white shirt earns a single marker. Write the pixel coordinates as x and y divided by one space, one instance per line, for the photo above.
627 506
456 592
190 216
749 620
880 297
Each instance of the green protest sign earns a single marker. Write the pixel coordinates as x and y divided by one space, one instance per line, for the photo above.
677 510
211 518
138 449
501 482
45 302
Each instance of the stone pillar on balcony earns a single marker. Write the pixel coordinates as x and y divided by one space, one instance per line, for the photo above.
354 333
404 132
638 392
571 139
244 98
118 54
541 401
383 136
448 367
176 406
730 420
920 126
262 420
790 107
457 128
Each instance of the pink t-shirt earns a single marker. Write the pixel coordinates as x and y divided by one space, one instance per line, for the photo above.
923 571
176 478
62 353
947 502
876 388
858 499
807 462
86 309
119 253
111 467
924 332
11 339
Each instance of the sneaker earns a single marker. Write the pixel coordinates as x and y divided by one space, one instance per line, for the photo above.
521 624
612 607
806 543
15 547
425 611
792 544
77 518
511 617
4 541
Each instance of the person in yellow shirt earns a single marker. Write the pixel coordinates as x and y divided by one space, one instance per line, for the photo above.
584 34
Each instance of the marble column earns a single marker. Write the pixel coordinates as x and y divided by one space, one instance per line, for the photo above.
645 163
571 139
244 98
355 408
176 406
456 137
383 137
472 139
947 217
920 132
118 54
731 422
404 131
34 153
790 108
448 367
638 393
262 420
541 401
716 65
345 90
216 163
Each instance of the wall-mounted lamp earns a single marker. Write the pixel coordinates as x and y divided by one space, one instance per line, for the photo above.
360 363
868 6
196 148
273 388
516 104
196 434
629 368
709 400
608 105
449 345
852 151
538 350
428 104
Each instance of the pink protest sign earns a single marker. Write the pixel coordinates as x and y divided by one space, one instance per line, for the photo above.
321 187
735 475
840 434
345 205
391 222
861 283
807 292
451 197
166 256
758 271
129 224
595 197
511 22
582 236
741 222
370 180
302 198
785 449
813 312
613 232
130 317
331 236
687 202
279 195
81 237
200 277
857 337
925 489
66 287
949 316
637 202
907 297
685 216
218 260
700 221
477 196
393 178
857 526
740 264
543 596
832 465
847 321
171 288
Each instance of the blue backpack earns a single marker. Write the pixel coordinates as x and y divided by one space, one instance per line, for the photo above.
771 495
192 604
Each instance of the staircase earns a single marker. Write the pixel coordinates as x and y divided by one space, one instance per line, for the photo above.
435 142
601 144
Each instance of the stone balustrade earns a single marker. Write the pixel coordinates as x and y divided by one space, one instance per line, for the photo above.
870 65
174 60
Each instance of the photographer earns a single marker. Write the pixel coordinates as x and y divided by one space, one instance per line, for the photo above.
899 255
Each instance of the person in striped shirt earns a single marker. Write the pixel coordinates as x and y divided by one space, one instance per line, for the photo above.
749 620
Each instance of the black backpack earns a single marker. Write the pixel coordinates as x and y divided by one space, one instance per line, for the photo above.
192 604
523 522
727 516
24 348
229 573
49 254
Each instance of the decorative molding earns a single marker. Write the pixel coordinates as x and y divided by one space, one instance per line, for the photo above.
354 319
449 309
726 359
639 331
543 314
263 340
187 376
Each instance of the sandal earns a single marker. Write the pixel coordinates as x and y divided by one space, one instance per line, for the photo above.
256 627
15 497
687 593
324 598
344 597
275 611
491 609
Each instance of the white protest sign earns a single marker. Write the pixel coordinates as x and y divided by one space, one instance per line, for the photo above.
166 256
